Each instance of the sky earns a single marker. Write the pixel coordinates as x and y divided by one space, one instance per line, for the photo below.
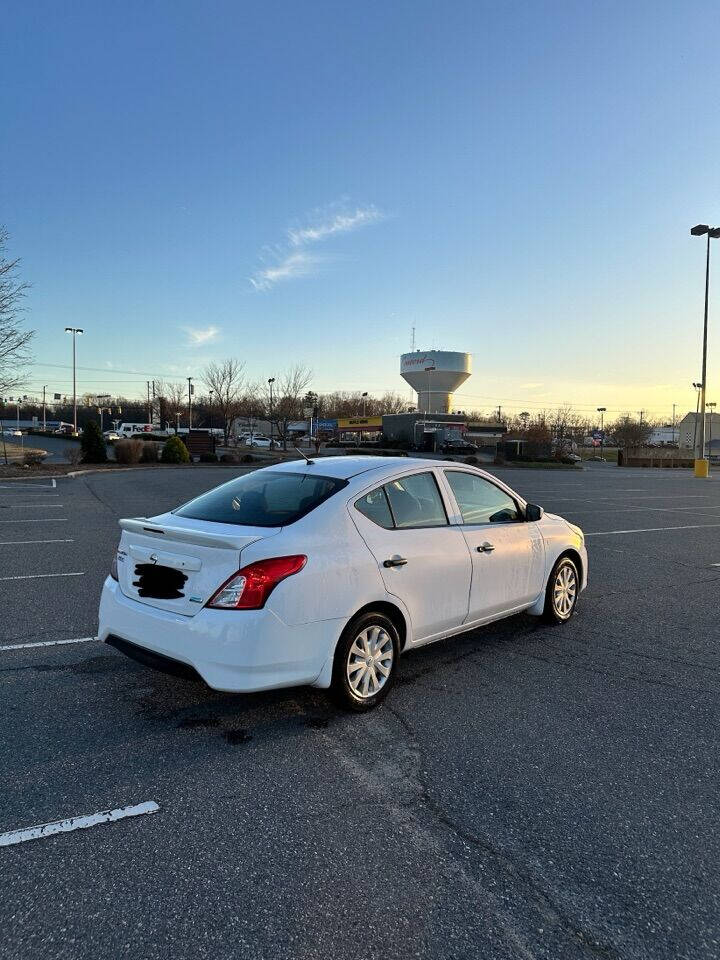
306 182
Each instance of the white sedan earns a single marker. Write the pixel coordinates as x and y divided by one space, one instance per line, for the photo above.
258 442
325 572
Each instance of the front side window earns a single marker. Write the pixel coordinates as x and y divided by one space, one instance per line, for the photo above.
262 499
479 500
416 502
374 506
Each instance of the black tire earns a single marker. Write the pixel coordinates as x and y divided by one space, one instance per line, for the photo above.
347 656
556 603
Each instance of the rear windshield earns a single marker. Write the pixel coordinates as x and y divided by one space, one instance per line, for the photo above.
262 499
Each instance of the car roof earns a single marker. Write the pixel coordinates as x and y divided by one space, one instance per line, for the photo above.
346 467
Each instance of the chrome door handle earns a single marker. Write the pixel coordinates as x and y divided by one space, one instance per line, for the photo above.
395 562
485 547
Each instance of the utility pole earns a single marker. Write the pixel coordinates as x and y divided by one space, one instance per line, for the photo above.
673 424
190 391
149 410
75 331
44 420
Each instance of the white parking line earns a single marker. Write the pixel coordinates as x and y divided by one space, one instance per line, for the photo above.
29 506
44 643
76 823
692 526
32 486
690 496
17 543
35 520
24 492
43 576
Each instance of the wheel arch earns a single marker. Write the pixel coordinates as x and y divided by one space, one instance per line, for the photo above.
576 559
392 612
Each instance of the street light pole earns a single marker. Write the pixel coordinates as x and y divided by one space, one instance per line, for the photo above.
44 420
189 380
212 437
701 464
696 386
601 411
271 381
712 411
75 331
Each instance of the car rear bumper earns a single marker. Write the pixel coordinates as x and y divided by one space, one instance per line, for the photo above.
232 650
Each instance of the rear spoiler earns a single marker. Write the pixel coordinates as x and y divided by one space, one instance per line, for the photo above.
200 537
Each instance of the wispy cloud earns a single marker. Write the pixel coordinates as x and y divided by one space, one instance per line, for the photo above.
327 224
298 264
199 336
291 260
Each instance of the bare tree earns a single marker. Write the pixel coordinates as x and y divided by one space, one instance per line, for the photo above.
227 381
14 339
629 432
172 399
287 399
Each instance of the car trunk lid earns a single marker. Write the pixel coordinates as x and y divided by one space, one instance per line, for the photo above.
176 565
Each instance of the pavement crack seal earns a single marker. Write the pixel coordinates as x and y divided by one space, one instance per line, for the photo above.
588 942
42 830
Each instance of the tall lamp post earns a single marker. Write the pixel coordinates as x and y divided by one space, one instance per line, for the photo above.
601 411
271 381
696 387
75 331
190 393
701 463
712 411
212 435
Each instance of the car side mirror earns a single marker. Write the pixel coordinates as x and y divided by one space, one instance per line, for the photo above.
533 512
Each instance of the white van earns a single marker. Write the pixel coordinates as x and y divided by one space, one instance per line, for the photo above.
130 429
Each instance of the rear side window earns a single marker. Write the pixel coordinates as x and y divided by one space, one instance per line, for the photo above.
375 507
262 499
416 502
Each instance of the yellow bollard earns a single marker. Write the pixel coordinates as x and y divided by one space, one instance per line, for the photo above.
702 468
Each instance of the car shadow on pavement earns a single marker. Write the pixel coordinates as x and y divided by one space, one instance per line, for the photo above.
162 701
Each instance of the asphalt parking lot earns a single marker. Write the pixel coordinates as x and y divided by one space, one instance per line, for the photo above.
525 791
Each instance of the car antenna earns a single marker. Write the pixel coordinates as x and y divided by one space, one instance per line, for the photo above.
310 462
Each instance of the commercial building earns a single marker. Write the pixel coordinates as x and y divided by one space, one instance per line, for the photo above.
688 430
432 431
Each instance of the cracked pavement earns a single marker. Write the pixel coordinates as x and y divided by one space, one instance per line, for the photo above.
525 791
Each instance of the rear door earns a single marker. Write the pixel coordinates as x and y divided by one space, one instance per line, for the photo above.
508 553
423 560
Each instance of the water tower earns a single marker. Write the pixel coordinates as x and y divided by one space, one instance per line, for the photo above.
435 375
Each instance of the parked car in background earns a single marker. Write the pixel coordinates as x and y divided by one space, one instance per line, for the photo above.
259 441
459 446
111 435
325 572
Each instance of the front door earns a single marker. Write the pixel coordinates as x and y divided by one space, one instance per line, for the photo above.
508 553
423 560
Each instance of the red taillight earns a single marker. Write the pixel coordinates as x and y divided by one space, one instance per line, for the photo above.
249 588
